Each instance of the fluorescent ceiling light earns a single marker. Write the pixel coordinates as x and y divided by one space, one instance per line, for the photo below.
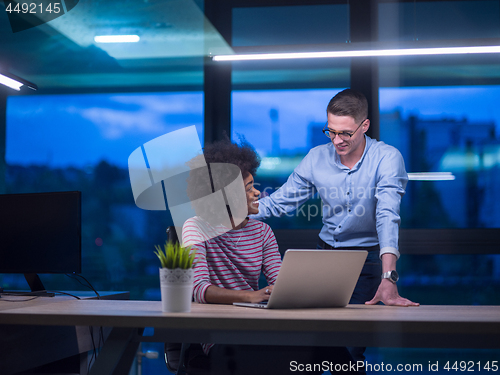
117 38
361 53
431 176
10 82
15 82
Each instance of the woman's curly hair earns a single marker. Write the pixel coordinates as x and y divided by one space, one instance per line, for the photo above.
199 185
243 155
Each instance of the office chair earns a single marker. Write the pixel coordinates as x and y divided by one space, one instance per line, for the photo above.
185 358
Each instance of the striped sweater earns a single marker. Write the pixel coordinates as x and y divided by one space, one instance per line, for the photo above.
232 260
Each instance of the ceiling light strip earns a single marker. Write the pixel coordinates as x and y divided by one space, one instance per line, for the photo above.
117 38
13 84
431 176
361 53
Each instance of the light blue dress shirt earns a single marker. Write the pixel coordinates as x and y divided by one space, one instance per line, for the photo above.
360 205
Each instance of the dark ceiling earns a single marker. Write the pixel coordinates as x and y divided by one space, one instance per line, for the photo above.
61 55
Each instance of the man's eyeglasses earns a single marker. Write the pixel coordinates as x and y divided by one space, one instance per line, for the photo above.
345 136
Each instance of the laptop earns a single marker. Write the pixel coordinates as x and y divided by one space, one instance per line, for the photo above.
314 278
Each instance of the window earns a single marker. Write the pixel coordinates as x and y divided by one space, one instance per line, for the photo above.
82 142
290 25
438 20
446 129
282 125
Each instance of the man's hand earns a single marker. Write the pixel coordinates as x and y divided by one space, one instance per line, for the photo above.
387 293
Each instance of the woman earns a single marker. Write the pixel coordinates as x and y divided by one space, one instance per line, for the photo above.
247 249
229 265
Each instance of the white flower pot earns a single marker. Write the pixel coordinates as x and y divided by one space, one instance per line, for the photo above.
176 289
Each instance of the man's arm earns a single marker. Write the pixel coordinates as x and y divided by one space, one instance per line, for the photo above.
390 189
294 192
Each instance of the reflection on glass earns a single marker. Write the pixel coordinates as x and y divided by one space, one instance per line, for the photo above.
445 20
446 129
437 129
290 25
282 125
83 142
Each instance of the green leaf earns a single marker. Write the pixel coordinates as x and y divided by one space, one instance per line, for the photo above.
174 256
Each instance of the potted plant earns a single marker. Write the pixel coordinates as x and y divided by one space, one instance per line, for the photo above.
176 276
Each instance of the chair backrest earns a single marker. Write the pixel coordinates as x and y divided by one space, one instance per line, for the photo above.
172 235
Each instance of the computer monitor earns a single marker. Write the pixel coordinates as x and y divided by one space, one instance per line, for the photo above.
40 233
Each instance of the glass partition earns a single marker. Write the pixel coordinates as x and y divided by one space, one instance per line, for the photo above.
82 142
453 131
282 125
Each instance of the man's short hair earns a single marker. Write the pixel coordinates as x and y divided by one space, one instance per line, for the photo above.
349 102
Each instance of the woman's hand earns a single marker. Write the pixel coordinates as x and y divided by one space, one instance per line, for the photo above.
261 294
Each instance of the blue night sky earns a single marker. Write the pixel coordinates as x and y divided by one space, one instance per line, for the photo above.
298 108
81 130
476 103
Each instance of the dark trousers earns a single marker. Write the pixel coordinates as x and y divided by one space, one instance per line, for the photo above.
274 360
367 284
263 360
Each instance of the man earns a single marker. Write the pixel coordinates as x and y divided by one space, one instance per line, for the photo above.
361 182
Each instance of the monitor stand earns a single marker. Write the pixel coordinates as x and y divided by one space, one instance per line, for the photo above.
36 286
